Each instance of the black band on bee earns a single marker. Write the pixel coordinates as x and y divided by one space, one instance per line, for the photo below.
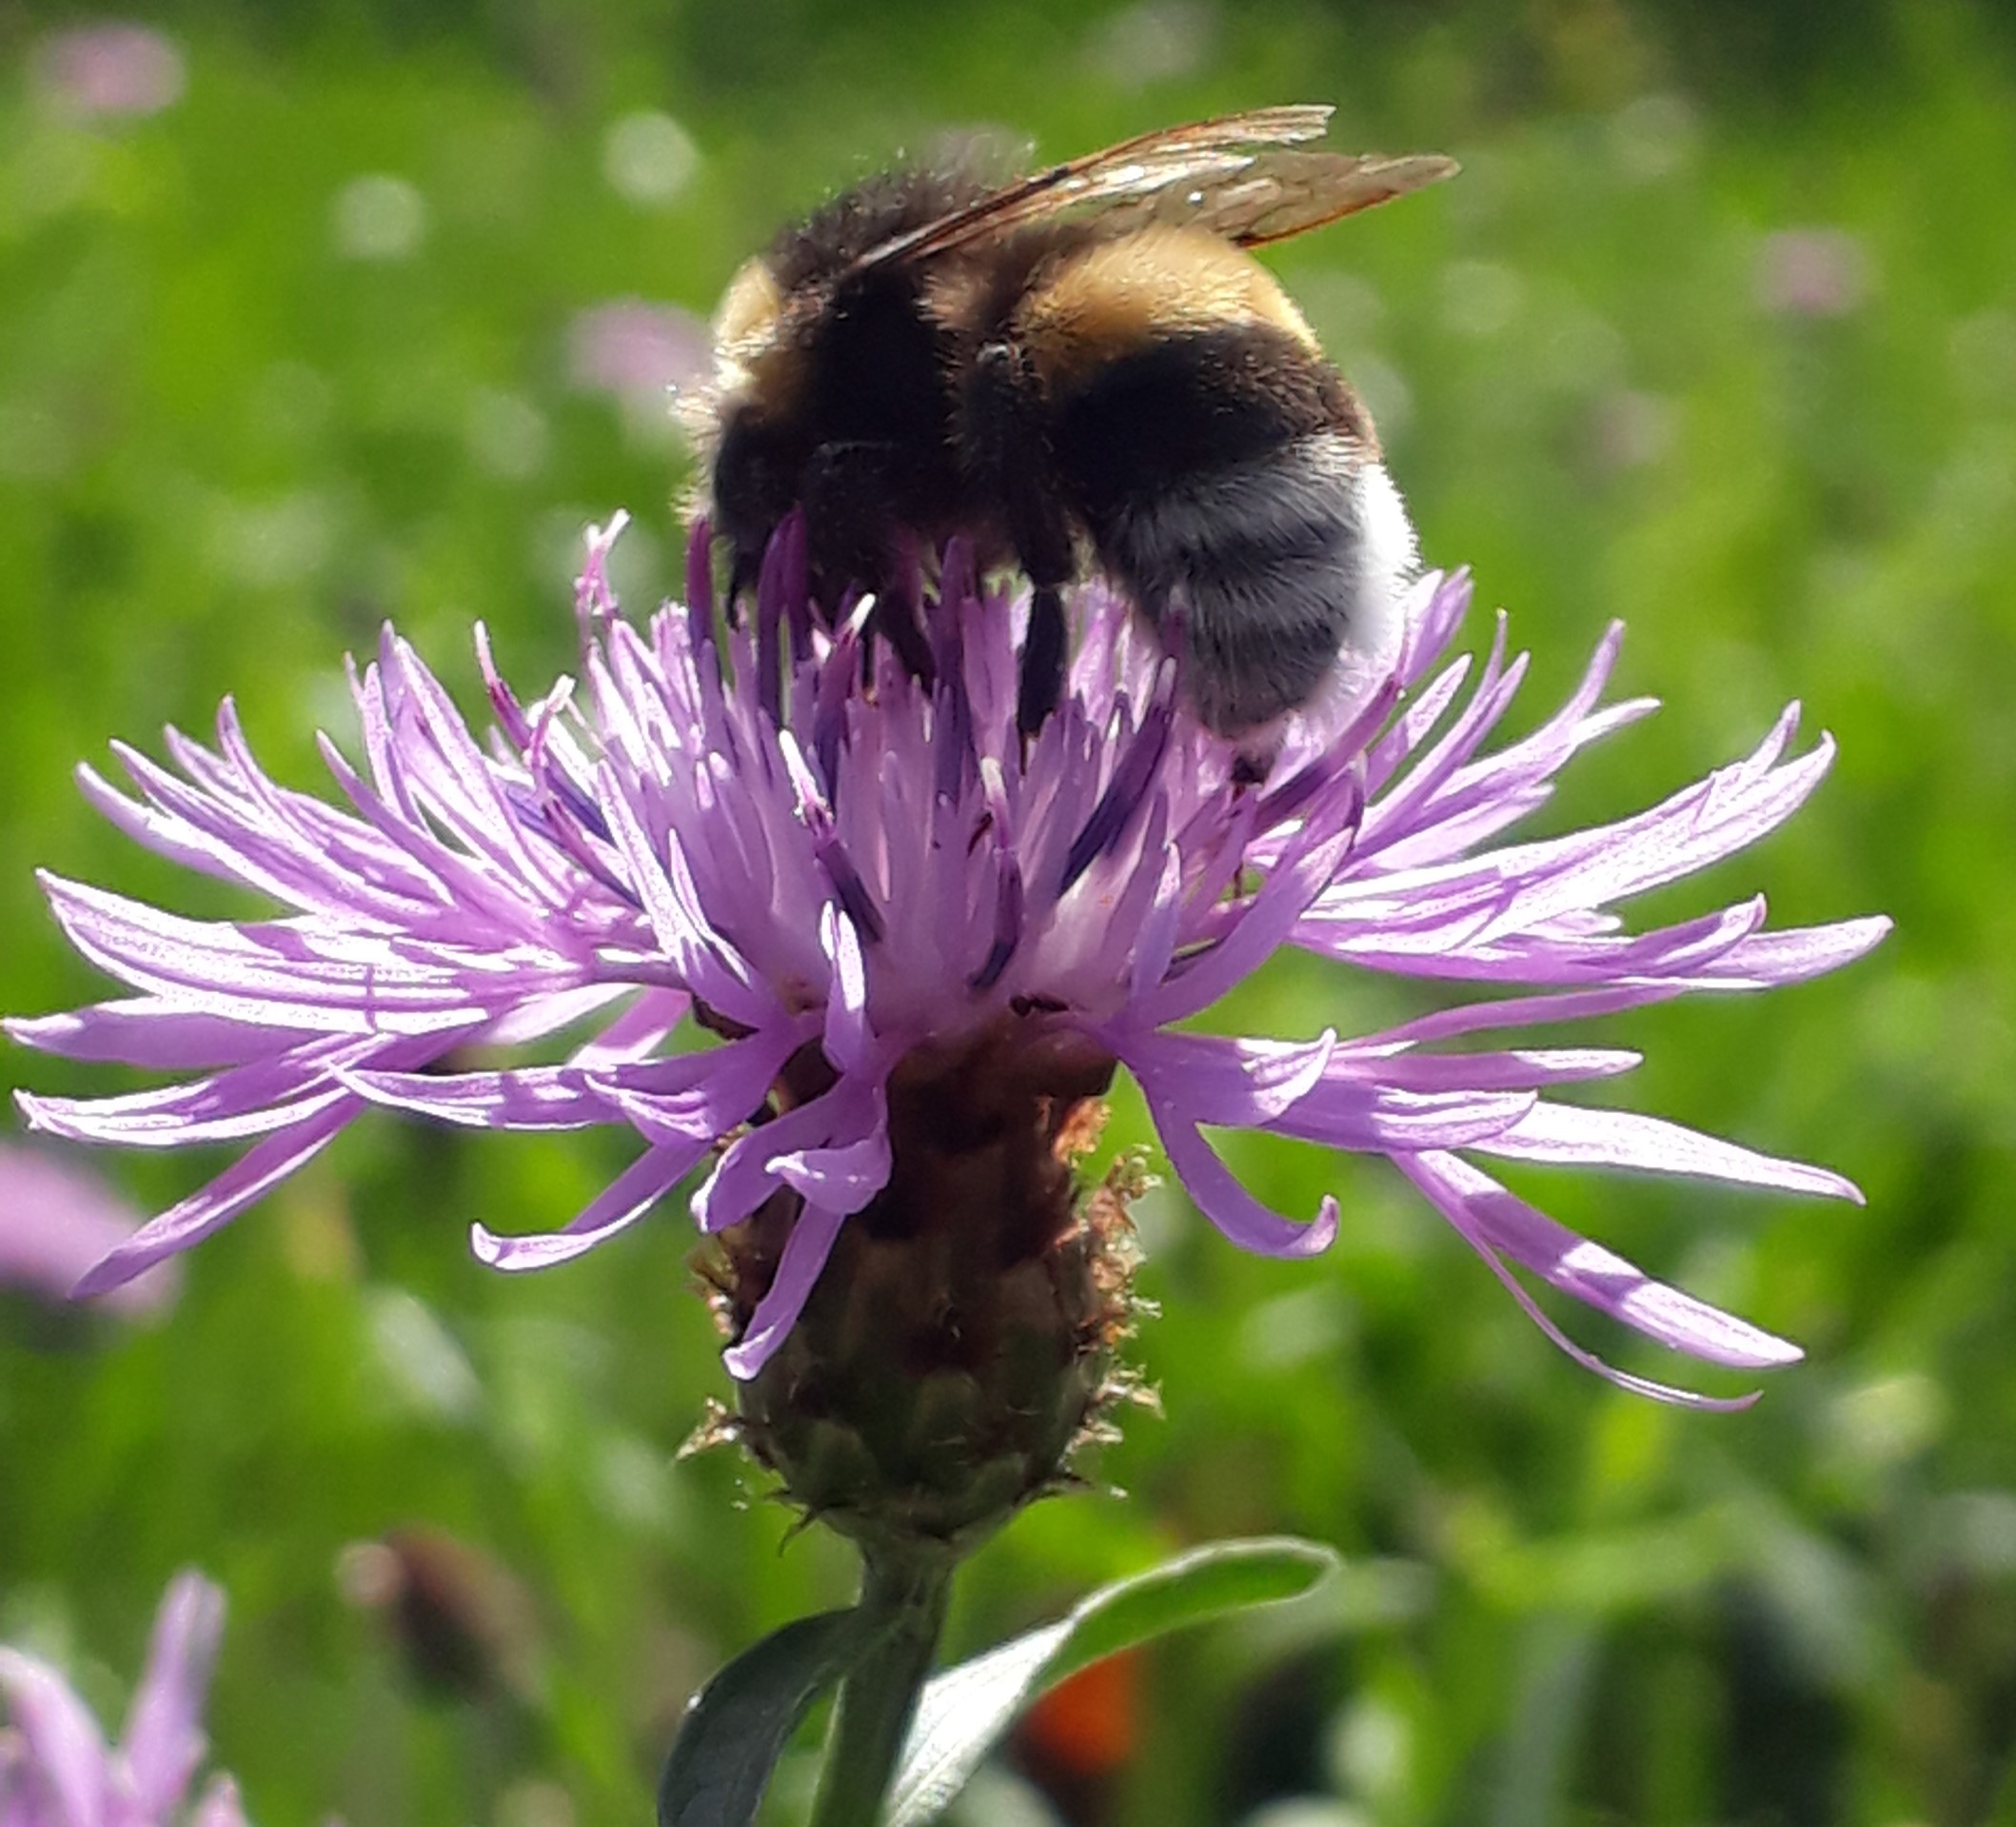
1191 404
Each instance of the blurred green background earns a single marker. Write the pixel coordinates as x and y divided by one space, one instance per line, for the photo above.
1716 333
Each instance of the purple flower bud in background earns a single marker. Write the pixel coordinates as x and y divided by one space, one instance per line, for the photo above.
838 881
55 1767
59 1217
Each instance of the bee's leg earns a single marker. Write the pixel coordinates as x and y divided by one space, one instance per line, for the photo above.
896 615
850 489
1011 451
753 484
1041 687
741 580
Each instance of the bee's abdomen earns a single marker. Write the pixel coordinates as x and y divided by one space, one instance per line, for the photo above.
1229 483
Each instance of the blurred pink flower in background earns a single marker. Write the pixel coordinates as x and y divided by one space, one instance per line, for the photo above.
57 1217
637 350
1812 272
111 67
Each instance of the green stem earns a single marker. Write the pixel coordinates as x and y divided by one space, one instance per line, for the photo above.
905 1603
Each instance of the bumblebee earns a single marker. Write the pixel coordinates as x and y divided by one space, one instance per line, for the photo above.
1081 369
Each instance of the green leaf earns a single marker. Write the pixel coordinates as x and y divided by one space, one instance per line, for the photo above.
966 1710
739 1724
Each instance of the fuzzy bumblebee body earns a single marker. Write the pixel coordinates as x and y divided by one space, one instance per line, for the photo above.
1082 366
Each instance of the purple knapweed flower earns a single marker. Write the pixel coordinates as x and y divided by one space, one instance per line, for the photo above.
826 864
55 1768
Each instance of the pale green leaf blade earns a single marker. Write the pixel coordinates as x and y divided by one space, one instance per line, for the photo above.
966 1710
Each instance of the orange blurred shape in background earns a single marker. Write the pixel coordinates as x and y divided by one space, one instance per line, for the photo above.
1089 1725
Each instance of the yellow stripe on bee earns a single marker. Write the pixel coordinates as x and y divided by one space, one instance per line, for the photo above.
754 355
747 316
1118 296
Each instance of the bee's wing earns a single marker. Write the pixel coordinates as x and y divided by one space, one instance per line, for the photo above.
1148 178
1273 194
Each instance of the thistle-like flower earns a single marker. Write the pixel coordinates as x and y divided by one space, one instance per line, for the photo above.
894 936
55 1768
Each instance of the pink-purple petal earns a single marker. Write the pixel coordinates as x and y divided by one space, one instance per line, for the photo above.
1235 1083
537 1097
844 1177
163 1739
851 1112
848 1039
1724 814
1525 1011
1598 1277
539 1016
637 1033
797 1271
230 1106
1260 929
705 965
625 1200
1765 960
245 1181
1526 1069
1343 1112
697 1095
64 1748
1569 1135
1431 613
1452 1192
1222 1198
153 1031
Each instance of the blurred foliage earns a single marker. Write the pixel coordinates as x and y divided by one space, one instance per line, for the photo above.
1716 333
